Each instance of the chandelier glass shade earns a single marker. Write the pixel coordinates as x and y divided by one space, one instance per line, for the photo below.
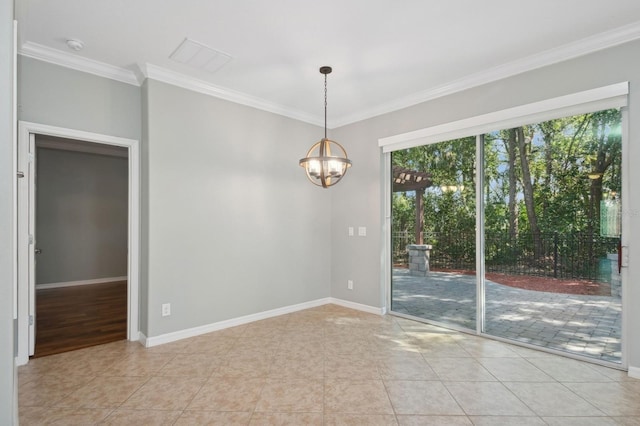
326 162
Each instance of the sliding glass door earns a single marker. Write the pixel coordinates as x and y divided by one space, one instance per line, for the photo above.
536 257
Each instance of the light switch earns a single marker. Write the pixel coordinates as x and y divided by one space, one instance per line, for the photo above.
351 231
362 231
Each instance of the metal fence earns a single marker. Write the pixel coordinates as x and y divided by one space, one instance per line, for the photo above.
576 256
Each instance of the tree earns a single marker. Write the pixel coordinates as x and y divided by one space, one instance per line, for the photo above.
540 179
511 152
606 143
527 189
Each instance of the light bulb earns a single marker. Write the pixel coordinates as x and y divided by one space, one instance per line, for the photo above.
314 168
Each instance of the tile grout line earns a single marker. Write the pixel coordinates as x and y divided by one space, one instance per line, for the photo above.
337 326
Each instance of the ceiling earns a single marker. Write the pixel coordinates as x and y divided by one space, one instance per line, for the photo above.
385 54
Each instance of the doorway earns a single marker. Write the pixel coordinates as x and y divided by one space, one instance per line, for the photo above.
81 206
27 237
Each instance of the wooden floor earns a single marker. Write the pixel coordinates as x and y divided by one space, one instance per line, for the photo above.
70 318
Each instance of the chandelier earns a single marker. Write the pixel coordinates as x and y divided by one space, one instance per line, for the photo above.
326 162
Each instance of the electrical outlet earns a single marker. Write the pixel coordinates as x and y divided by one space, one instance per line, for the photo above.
350 284
166 309
362 231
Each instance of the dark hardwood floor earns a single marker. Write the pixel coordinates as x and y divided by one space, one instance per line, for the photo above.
69 318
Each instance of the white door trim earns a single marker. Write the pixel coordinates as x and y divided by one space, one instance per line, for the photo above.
133 272
624 240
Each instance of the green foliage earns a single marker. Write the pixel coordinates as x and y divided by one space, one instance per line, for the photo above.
404 216
449 164
561 155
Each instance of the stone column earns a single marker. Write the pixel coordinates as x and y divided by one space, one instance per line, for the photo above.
419 259
616 279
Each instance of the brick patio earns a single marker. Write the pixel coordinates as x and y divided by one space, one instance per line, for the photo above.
580 324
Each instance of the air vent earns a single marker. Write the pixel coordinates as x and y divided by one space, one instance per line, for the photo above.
199 56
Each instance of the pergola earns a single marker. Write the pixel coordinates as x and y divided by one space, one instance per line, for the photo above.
412 180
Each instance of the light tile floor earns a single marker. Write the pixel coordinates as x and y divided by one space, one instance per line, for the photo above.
328 365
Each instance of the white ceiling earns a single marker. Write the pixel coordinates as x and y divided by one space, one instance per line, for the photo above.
385 54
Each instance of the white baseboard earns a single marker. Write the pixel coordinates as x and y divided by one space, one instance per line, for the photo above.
358 306
634 372
20 360
81 282
136 337
142 338
208 328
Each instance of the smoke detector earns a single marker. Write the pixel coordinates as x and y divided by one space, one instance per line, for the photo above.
75 44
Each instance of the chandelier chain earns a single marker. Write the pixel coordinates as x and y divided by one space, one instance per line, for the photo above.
325 106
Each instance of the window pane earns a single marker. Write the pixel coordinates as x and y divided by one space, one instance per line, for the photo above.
552 234
433 232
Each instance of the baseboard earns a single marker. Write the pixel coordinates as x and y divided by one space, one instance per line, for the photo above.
358 306
142 338
81 282
20 360
634 372
196 331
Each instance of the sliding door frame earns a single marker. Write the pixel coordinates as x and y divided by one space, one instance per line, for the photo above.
480 281
612 96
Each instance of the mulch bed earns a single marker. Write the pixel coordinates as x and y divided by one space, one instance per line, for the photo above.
552 285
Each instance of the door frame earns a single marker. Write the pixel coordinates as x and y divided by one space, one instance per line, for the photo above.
26 298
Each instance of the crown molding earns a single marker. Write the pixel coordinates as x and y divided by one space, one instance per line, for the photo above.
562 53
137 77
558 54
78 63
164 75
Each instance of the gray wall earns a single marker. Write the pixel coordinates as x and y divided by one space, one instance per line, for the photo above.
7 247
230 226
58 96
143 309
234 227
358 198
81 215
